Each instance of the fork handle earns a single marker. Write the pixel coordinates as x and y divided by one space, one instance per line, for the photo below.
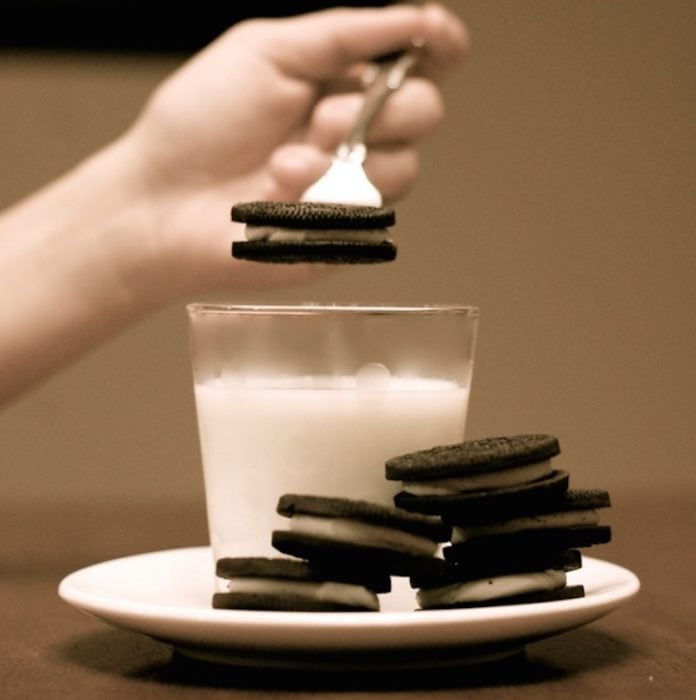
389 78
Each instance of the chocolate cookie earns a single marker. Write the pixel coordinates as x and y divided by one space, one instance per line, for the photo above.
347 532
314 232
278 583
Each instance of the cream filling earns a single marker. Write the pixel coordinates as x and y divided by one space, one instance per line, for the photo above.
479 482
571 518
352 531
345 182
491 588
296 235
327 591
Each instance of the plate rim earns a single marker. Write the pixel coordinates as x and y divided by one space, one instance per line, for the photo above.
198 627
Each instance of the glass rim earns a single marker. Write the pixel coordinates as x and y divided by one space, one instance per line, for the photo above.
310 308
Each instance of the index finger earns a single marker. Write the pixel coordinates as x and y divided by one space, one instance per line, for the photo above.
319 45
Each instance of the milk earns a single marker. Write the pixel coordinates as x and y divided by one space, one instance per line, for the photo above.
330 436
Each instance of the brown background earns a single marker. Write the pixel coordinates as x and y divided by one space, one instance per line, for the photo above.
558 197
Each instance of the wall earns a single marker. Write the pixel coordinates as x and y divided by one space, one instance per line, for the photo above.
558 196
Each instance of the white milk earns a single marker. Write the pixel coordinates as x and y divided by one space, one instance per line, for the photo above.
327 437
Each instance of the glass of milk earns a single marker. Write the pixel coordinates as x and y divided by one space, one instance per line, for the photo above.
313 399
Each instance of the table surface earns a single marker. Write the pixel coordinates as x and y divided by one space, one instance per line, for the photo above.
646 648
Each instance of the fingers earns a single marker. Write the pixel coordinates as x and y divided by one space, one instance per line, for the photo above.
293 168
409 114
320 45
391 169
446 41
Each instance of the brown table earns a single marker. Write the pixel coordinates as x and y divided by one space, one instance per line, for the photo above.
647 648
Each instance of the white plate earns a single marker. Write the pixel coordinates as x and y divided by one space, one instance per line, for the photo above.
166 595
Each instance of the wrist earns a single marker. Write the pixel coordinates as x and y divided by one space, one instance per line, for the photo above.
118 232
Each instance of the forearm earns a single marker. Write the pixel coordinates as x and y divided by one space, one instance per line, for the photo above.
74 267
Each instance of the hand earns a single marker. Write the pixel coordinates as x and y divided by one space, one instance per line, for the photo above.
257 115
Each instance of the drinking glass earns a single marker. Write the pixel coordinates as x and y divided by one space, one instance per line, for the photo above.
313 399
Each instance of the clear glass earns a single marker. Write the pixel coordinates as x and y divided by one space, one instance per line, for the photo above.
314 399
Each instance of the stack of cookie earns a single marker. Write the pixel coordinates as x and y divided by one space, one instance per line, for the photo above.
344 553
478 523
516 526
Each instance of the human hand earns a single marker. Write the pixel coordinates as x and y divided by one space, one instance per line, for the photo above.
257 115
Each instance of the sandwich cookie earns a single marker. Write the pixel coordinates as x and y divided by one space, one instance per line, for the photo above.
340 532
523 542
279 583
572 508
314 232
501 472
515 589
489 580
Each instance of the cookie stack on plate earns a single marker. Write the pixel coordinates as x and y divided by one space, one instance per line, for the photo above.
344 554
517 527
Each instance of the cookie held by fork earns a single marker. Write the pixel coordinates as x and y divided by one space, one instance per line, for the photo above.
314 232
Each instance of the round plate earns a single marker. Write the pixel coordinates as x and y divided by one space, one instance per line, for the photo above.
167 595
